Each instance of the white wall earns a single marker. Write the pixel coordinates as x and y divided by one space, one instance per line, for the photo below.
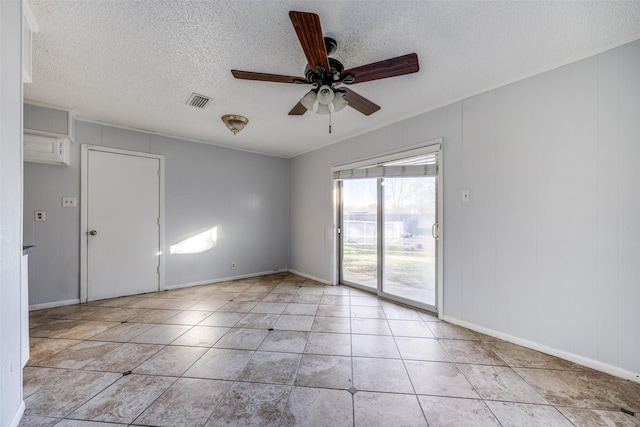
245 195
11 405
546 252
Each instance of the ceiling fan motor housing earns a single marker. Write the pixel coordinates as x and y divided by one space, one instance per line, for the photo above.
328 77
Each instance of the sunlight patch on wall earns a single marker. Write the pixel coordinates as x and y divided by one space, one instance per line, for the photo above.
196 244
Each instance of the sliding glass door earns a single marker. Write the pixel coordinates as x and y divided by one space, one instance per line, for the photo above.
409 246
360 232
388 226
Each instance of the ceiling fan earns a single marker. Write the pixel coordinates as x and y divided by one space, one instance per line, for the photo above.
326 75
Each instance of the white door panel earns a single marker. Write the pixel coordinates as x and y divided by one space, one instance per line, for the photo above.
123 211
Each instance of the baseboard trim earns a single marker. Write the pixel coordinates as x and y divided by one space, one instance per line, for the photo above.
224 279
54 304
18 415
571 357
308 276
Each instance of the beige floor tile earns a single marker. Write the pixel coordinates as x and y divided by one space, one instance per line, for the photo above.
285 341
335 300
521 357
37 421
218 363
583 389
374 346
475 352
248 404
396 312
271 367
317 365
456 412
188 402
324 372
500 383
385 375
122 332
329 343
364 300
439 379
269 307
78 355
449 331
599 418
278 297
366 312
519 414
58 398
422 349
187 317
171 360
242 339
123 358
332 324
228 320
238 307
306 299
125 400
370 326
258 321
333 311
201 336
301 309
319 408
154 316
294 322
35 378
386 409
409 328
209 305
41 348
161 334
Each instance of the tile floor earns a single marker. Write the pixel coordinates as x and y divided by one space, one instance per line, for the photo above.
282 350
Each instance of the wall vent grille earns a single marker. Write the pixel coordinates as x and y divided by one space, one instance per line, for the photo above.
198 101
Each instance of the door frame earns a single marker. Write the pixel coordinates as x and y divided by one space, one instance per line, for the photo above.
439 219
84 210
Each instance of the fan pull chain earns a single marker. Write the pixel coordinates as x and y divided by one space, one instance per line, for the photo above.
329 121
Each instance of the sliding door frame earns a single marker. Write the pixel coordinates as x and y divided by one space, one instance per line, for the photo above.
433 146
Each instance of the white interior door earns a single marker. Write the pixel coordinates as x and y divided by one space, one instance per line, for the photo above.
122 227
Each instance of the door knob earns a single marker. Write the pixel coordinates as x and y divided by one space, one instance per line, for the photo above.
93 232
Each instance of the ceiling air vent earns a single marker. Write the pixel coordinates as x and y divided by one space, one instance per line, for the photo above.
198 101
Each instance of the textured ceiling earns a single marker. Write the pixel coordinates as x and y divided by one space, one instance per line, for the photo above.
135 63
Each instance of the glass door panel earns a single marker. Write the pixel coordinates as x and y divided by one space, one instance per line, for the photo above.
409 247
359 232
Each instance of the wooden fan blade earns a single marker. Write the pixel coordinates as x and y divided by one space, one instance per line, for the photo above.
298 110
265 77
398 66
359 102
309 31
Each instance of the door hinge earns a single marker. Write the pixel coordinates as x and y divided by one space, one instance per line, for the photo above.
339 230
158 269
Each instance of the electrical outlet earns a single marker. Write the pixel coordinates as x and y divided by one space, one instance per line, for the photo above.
39 216
233 265
465 196
69 202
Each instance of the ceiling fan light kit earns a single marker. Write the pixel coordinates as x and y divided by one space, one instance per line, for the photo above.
234 122
327 74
